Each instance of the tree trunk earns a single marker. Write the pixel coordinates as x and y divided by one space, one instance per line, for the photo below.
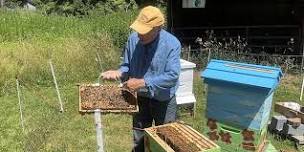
2 3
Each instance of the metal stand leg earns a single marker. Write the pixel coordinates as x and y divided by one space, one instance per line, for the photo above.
99 131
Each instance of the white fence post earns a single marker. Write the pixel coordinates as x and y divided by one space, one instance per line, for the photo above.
56 85
20 104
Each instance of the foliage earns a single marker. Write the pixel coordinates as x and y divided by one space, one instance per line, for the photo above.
79 7
235 49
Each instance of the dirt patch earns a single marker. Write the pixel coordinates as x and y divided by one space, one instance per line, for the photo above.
178 142
107 97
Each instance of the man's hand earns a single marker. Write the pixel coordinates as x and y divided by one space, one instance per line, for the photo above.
135 84
111 75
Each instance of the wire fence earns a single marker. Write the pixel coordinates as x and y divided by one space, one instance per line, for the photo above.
288 63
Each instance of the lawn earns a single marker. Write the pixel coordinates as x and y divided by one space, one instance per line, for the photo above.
46 129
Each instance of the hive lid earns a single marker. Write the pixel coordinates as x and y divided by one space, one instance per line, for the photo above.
185 99
241 73
186 64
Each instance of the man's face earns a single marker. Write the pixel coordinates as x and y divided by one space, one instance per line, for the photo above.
149 37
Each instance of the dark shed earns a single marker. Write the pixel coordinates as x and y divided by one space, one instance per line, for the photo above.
264 23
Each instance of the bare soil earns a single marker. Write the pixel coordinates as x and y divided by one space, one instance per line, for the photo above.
178 142
107 97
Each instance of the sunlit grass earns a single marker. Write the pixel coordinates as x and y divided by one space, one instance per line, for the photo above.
46 129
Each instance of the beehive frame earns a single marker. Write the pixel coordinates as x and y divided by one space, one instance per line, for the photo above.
136 109
154 143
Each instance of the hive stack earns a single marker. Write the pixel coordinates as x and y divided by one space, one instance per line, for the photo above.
239 100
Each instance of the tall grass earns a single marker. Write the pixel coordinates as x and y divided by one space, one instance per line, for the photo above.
79 48
22 25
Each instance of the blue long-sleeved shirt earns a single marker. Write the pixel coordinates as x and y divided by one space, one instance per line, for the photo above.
158 63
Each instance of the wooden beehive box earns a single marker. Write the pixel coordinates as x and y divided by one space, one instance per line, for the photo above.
177 137
184 93
240 94
108 98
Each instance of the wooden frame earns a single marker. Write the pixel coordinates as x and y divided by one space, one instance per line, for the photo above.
202 142
136 109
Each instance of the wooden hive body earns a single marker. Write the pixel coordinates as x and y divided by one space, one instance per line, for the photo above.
182 139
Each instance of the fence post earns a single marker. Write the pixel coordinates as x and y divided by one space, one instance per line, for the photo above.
99 130
302 88
301 70
56 85
209 55
20 104
189 53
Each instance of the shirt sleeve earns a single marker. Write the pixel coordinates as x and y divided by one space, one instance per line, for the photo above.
124 66
169 78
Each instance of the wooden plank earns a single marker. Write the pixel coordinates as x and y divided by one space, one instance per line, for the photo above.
287 112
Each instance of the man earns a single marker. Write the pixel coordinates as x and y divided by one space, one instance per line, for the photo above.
151 66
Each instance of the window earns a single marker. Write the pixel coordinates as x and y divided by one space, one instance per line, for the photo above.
194 3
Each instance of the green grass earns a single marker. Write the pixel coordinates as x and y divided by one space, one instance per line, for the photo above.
74 60
46 129
21 25
289 90
80 48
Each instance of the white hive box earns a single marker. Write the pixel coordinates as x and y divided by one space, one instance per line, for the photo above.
184 94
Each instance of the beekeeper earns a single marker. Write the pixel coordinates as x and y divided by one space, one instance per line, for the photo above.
151 66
